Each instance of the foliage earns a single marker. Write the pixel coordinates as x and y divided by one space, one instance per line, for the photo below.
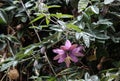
31 29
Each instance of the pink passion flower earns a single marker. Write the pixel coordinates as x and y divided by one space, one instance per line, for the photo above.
68 53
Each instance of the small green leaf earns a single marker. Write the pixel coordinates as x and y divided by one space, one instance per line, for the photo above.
53 6
47 20
74 27
82 4
39 17
60 15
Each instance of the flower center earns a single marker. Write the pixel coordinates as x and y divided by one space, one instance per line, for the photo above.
68 52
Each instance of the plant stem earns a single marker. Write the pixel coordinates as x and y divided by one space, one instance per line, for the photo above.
27 12
10 48
50 64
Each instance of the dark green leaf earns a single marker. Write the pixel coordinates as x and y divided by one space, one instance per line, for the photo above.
3 16
2 44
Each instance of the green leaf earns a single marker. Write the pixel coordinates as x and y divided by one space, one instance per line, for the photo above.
3 16
95 9
56 28
82 25
82 4
47 20
86 17
39 17
67 1
74 27
2 45
19 34
86 40
7 65
78 35
62 24
28 4
24 19
12 39
42 7
92 10
108 1
104 21
98 35
10 8
53 6
51 79
60 15
79 17
29 49
102 36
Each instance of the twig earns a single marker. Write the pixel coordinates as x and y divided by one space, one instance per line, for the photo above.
27 12
50 64
25 59
11 50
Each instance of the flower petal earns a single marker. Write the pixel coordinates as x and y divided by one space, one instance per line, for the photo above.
63 48
59 51
73 58
62 58
56 57
76 50
67 61
81 48
79 54
67 44
73 46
